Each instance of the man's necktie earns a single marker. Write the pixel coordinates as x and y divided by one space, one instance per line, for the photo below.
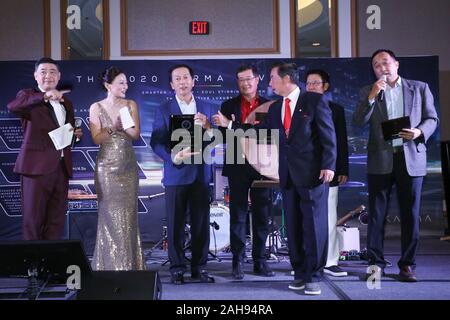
287 116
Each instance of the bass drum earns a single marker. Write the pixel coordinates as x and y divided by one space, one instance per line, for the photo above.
219 234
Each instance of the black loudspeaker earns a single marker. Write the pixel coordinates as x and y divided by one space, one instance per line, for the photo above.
47 264
445 161
121 285
48 257
83 226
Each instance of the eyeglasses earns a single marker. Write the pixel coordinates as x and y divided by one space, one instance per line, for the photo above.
314 83
243 80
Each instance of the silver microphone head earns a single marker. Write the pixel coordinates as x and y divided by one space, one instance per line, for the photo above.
78 123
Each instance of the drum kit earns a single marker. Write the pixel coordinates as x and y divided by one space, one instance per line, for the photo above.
219 235
219 214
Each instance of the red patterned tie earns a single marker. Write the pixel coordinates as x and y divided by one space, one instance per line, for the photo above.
287 116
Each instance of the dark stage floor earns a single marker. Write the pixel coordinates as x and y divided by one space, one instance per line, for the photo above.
433 272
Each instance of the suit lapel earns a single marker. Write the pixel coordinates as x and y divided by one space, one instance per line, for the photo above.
277 107
383 108
201 108
67 112
408 97
278 123
52 113
174 107
296 115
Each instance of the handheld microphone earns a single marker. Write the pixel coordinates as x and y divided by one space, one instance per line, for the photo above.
381 94
215 225
78 124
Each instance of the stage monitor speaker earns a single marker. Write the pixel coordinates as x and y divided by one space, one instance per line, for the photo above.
50 258
47 264
121 285
445 163
83 226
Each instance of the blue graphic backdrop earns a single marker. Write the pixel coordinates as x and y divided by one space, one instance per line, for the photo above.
215 82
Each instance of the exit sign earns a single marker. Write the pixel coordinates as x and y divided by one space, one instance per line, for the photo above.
199 27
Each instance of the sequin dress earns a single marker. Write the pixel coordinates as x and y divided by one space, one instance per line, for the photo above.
118 243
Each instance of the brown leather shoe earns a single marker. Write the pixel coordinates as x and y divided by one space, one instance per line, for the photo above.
407 274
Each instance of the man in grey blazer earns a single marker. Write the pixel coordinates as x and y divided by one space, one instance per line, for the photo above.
400 161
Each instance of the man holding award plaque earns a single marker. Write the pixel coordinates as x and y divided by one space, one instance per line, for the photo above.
401 117
186 176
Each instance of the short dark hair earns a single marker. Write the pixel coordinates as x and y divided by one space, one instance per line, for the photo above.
109 75
182 65
389 52
45 60
321 73
244 67
287 69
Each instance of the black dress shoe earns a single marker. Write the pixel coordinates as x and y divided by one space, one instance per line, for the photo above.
407 274
262 269
202 276
177 277
237 272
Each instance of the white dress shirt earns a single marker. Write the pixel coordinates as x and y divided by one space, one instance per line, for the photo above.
60 113
59 110
187 108
394 104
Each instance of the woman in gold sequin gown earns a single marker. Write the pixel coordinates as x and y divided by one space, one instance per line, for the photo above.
118 244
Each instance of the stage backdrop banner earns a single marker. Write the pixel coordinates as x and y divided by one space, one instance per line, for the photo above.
215 81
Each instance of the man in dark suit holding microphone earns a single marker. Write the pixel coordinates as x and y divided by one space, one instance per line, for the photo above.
307 159
44 171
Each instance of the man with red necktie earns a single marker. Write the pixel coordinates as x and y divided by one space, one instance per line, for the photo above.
307 160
